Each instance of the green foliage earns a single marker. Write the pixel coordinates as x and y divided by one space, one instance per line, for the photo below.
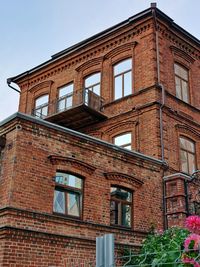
162 249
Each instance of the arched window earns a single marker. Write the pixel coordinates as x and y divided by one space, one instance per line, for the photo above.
120 206
187 155
41 106
93 83
181 79
123 140
65 97
122 78
68 194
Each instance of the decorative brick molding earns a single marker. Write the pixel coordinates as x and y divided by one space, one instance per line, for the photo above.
123 126
181 53
121 177
120 49
178 42
185 129
89 63
45 84
55 159
91 53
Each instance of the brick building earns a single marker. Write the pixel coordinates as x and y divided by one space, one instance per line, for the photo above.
106 140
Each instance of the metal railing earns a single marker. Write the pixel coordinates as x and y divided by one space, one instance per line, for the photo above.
69 101
177 258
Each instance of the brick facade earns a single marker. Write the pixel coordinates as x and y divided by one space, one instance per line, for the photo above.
79 141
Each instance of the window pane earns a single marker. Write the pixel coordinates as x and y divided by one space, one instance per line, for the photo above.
181 72
191 162
45 111
187 145
190 146
123 66
178 88
67 89
118 87
59 202
113 212
126 215
96 89
61 104
68 102
184 164
185 91
73 204
123 139
120 193
41 100
68 179
92 79
127 83
127 147
182 142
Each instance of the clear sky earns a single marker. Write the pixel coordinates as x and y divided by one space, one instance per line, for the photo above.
33 30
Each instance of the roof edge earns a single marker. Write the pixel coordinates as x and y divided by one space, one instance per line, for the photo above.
104 33
19 115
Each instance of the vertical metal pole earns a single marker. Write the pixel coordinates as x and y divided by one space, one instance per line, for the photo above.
109 257
100 251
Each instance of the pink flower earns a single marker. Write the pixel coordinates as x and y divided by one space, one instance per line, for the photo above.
187 260
189 239
193 223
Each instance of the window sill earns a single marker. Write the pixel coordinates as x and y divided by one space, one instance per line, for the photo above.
73 218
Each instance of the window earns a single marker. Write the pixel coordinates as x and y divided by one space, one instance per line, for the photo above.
120 207
123 140
92 83
41 106
187 155
68 194
181 79
123 79
65 97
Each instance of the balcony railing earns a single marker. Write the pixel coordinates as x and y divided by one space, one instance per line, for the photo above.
76 106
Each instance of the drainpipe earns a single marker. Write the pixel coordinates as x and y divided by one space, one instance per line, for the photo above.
9 81
153 8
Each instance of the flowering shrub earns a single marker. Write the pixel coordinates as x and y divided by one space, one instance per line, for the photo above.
193 224
174 247
191 252
192 242
161 248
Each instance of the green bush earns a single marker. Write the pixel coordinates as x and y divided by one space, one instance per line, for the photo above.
161 249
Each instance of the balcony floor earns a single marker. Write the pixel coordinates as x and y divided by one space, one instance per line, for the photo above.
76 117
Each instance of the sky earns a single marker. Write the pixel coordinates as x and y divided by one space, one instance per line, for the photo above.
31 31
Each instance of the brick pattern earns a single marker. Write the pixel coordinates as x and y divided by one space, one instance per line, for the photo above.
31 234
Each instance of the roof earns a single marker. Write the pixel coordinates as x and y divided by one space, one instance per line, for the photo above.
96 37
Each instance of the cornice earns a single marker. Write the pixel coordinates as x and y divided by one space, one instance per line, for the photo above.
55 159
127 39
179 43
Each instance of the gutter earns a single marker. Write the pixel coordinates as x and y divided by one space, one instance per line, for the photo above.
9 81
164 207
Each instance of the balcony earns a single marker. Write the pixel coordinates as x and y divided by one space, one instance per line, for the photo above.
75 110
